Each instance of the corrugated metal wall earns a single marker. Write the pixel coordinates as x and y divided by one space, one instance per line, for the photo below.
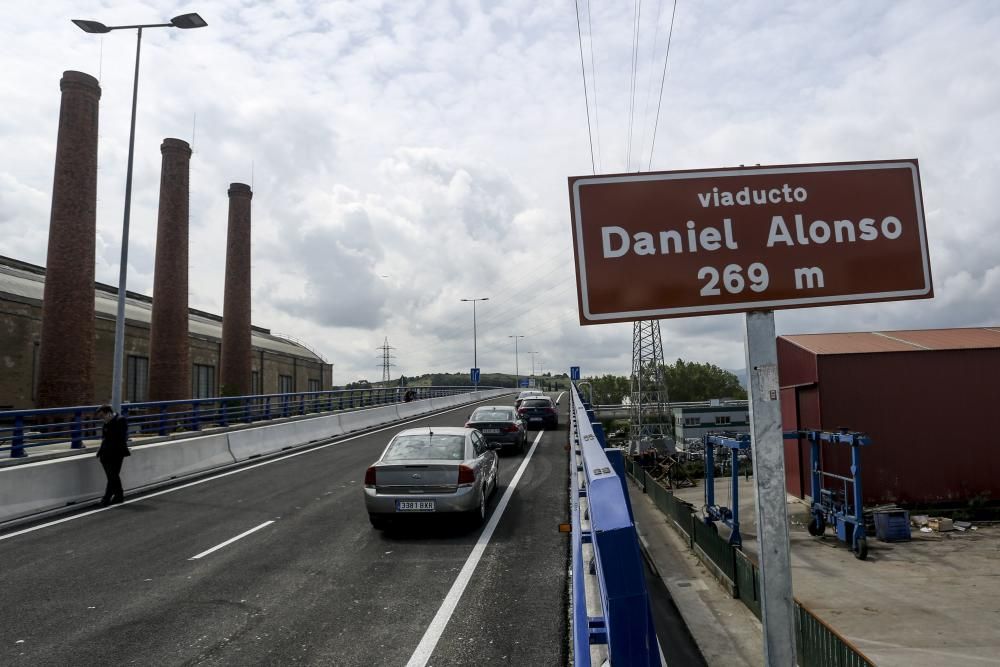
928 413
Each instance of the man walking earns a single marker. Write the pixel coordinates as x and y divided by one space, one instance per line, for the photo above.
113 450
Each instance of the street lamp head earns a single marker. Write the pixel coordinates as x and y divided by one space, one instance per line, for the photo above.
91 26
187 21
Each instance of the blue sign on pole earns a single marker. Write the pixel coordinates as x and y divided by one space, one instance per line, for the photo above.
474 376
574 372
523 383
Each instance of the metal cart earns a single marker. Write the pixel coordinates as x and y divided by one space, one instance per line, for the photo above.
729 516
841 508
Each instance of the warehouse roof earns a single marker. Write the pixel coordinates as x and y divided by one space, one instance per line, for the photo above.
898 341
26 282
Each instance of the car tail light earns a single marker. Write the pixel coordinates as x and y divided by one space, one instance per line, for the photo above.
521 412
370 476
466 475
551 411
511 428
468 424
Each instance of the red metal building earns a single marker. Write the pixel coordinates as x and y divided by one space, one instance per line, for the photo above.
926 398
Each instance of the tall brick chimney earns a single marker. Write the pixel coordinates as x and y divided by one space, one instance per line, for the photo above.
169 350
66 355
235 363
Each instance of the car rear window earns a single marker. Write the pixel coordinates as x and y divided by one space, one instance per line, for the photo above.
537 403
426 446
492 415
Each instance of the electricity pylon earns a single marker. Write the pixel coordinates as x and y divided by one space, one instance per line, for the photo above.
387 358
651 419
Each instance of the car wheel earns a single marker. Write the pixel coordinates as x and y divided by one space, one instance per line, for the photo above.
378 522
479 514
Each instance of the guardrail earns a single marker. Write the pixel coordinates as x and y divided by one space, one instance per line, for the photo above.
817 644
23 429
625 624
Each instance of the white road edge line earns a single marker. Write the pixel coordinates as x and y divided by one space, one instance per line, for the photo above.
559 397
231 540
434 631
228 473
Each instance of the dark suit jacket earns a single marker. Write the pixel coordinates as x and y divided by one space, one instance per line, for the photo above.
114 439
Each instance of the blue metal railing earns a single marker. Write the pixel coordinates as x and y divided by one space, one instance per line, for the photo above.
22 429
625 625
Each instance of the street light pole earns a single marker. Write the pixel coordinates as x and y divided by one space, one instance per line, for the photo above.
184 21
533 363
475 356
517 370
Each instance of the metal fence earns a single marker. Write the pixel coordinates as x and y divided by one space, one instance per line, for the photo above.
818 644
21 430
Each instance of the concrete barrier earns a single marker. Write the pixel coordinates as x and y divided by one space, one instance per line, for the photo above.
413 408
169 459
36 487
357 420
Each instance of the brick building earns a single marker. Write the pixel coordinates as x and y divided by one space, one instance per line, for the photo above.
279 365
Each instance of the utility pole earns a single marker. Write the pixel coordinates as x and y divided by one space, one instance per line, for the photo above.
517 370
475 356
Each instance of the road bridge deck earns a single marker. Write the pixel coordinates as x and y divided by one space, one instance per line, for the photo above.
316 586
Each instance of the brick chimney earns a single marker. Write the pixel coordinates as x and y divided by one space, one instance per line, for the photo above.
235 363
169 350
66 355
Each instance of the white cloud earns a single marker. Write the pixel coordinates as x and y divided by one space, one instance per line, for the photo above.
405 155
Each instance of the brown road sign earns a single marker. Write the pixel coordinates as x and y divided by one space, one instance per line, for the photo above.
682 243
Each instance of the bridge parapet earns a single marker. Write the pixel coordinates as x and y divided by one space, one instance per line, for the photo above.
599 497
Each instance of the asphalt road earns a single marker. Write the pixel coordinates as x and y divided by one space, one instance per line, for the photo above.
316 586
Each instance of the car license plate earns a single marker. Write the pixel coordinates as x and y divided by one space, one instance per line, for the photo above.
491 430
535 419
414 505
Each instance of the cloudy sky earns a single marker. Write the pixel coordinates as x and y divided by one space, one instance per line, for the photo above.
405 155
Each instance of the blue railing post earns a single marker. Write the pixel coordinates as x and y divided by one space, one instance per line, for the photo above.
77 438
163 420
617 459
17 441
267 408
195 421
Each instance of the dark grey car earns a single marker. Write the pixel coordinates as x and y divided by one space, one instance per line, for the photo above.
501 424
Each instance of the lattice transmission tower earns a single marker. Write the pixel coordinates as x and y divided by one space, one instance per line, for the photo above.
387 358
651 419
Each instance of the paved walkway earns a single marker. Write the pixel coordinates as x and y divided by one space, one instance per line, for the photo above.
728 633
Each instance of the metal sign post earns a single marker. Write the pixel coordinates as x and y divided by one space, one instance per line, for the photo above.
777 611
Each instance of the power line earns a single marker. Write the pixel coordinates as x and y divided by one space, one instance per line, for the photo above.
632 87
583 73
666 58
649 79
593 73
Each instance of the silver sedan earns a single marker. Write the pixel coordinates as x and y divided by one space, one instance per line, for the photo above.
431 471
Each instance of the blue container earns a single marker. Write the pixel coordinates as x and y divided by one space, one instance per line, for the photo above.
892 525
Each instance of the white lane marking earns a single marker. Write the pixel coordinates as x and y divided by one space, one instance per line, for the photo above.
231 540
434 631
559 397
230 472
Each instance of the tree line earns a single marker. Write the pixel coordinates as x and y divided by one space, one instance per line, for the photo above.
686 381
